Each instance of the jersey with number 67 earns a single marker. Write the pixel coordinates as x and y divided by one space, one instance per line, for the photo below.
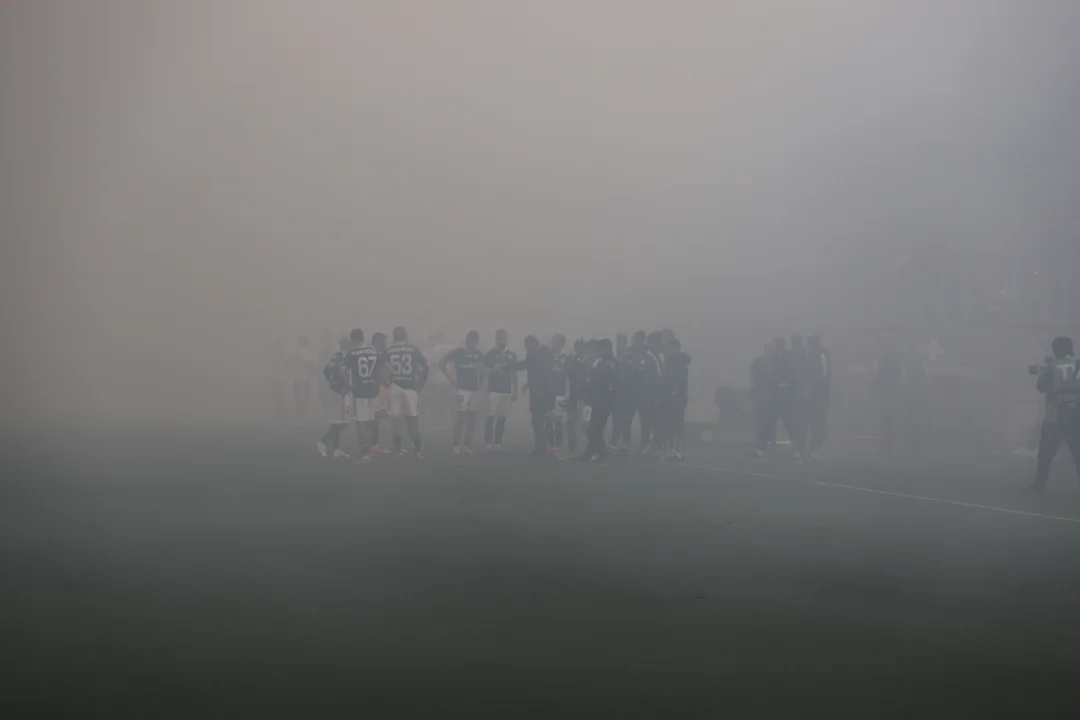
408 366
362 367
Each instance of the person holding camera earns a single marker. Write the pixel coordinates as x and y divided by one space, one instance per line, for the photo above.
1058 380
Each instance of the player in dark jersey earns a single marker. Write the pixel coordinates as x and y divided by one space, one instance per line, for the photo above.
780 399
819 380
382 409
623 406
555 422
575 373
336 376
598 394
502 390
362 366
409 372
676 387
641 380
661 403
468 364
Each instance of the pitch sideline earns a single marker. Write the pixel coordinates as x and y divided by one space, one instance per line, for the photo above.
887 493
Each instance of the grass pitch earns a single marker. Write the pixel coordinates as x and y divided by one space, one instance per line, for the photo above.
231 572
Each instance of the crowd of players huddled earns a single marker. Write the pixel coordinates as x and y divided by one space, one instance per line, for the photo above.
569 393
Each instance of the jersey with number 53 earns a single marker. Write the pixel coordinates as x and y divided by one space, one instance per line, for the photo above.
362 367
408 366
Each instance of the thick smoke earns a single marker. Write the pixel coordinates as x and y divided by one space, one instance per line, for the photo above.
185 182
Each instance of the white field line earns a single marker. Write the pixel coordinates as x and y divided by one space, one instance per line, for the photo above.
887 493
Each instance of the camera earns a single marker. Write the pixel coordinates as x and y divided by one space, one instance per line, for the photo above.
1040 369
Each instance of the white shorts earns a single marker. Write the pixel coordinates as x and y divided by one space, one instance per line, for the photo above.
468 401
499 404
404 403
559 411
361 410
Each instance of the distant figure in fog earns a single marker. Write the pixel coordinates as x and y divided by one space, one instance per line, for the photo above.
780 406
1059 380
598 393
819 392
304 370
328 399
575 373
759 397
438 398
539 373
888 386
800 411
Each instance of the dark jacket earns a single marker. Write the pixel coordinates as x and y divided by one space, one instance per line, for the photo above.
643 371
598 389
540 375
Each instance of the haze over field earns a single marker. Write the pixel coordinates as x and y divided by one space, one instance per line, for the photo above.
185 181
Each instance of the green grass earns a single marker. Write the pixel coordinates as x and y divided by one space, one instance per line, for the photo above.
233 573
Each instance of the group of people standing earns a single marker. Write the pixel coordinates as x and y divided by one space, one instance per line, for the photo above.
647 378
792 385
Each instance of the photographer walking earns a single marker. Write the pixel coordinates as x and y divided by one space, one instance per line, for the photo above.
1058 380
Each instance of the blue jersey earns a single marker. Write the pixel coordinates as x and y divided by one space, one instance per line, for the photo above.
503 364
467 364
362 366
333 371
408 366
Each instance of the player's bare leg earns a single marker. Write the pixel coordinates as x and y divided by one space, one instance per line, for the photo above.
489 432
470 426
459 427
380 417
413 425
331 441
363 441
395 424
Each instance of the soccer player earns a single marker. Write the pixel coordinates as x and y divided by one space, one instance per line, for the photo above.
644 372
781 400
660 407
408 373
336 375
760 391
437 400
502 391
677 385
555 423
598 395
819 393
575 372
303 368
803 382
538 366
468 364
362 368
622 412
382 409
1059 380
